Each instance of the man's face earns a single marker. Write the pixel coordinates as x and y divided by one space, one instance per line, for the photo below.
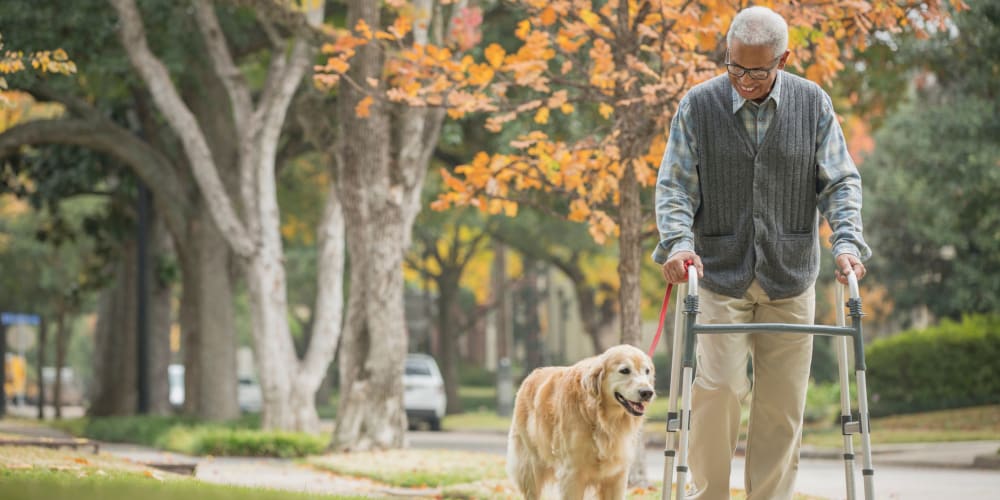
754 57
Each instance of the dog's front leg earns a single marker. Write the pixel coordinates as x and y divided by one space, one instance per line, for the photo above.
613 488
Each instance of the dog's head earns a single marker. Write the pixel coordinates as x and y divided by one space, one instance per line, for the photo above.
623 374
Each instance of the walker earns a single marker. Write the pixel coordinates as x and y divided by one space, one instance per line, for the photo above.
679 421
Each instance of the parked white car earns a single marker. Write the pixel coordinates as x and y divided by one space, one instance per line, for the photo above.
423 398
248 393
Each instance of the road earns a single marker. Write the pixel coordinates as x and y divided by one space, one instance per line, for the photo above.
820 477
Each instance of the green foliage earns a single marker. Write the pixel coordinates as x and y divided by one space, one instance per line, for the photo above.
221 441
473 374
952 365
933 183
145 430
187 435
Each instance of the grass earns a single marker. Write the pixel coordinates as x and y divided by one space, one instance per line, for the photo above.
964 424
28 473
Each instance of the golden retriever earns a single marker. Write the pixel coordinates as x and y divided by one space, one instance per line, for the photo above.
579 424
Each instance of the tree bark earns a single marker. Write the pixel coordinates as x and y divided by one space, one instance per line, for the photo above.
630 252
60 360
206 317
375 343
159 321
447 289
114 354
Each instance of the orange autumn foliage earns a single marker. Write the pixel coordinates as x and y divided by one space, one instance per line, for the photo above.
626 62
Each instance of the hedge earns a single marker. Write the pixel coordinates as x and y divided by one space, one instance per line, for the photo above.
951 365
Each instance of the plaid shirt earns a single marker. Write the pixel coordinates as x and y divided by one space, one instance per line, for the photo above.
678 196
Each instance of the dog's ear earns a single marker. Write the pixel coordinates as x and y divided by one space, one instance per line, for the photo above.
592 377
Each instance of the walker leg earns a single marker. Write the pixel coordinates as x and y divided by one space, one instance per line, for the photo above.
682 458
868 471
845 401
673 421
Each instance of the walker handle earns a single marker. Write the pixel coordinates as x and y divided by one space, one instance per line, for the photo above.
852 283
692 273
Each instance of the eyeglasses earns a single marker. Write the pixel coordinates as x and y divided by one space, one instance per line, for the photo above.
738 71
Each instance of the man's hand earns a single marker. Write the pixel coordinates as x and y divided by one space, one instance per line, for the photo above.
674 270
847 262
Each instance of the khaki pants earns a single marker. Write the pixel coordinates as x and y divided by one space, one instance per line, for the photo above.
780 378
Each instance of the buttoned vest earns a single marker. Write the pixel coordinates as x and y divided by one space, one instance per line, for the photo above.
758 216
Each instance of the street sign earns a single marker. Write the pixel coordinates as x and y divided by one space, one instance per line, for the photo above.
19 319
21 337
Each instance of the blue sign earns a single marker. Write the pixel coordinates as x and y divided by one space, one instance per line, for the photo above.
19 319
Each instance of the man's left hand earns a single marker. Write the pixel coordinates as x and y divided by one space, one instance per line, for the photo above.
847 262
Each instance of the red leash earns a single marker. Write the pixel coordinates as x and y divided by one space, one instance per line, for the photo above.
663 310
663 314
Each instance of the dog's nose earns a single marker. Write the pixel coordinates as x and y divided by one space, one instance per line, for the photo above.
646 394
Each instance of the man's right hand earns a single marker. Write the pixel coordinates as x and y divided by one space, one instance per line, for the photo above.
674 270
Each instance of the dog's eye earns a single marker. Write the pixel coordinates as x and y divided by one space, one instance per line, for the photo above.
625 371
647 371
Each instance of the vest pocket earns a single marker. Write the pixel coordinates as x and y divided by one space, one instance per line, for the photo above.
718 252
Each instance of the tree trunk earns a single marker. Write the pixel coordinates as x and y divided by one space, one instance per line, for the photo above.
449 343
159 321
114 354
374 348
630 294
630 252
60 360
206 316
43 333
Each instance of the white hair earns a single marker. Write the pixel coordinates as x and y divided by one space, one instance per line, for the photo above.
758 26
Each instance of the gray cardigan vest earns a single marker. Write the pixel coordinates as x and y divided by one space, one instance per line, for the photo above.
758 215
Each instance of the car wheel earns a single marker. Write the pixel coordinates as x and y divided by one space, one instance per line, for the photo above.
435 424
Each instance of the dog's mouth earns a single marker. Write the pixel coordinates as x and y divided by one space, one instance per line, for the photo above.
637 408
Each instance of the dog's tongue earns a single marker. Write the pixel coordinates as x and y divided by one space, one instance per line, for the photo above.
639 406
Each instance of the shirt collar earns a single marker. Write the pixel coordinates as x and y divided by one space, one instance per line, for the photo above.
739 101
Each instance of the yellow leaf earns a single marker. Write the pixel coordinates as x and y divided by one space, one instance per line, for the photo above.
590 19
542 116
523 28
362 108
495 55
605 110
566 108
363 29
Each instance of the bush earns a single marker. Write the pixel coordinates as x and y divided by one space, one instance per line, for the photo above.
187 435
145 430
221 441
952 365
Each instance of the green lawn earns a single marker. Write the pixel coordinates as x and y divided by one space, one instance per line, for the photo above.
964 424
28 473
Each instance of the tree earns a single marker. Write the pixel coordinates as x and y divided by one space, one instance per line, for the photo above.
381 156
251 226
107 112
933 178
631 62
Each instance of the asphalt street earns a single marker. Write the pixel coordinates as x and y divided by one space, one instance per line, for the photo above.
820 477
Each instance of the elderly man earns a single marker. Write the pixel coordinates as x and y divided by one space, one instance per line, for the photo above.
754 155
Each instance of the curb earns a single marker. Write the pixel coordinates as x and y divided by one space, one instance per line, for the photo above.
987 462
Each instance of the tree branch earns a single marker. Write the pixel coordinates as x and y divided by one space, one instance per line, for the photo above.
149 164
222 61
176 112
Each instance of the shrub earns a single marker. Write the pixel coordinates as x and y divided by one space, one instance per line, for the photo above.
951 365
222 441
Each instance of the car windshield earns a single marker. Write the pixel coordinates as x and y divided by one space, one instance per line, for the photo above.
418 369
